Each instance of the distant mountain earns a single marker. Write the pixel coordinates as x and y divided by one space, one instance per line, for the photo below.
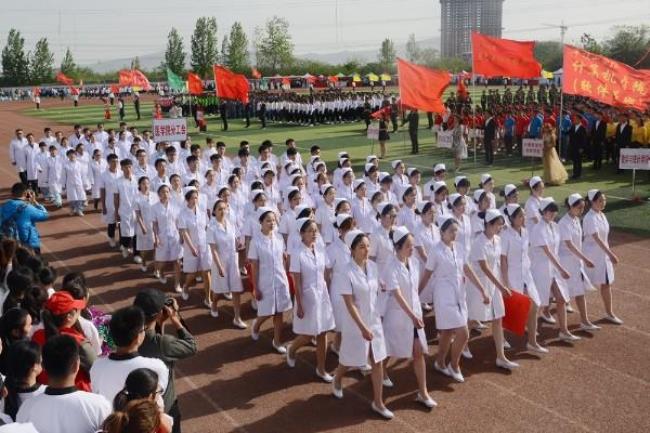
147 61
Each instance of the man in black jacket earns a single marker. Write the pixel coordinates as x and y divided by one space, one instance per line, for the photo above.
489 135
598 136
413 119
577 144
223 111
623 137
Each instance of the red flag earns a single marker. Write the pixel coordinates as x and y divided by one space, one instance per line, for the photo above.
194 84
230 85
115 88
517 307
381 113
494 57
333 78
63 79
462 89
74 90
255 73
420 87
605 80
126 77
140 80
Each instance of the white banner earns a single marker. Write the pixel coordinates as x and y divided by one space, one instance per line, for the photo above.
373 131
445 139
634 159
533 147
169 130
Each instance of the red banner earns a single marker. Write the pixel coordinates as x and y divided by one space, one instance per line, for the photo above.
63 79
420 87
126 77
194 84
230 85
134 78
494 57
604 80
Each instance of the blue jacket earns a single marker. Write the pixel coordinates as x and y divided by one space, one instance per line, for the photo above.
25 220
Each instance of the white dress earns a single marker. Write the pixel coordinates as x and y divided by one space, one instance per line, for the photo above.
128 192
543 271
449 297
464 238
515 246
570 230
97 168
364 288
488 250
316 306
532 211
603 270
337 258
407 217
381 248
325 218
144 204
166 216
224 237
272 282
195 222
108 181
426 238
399 329
363 214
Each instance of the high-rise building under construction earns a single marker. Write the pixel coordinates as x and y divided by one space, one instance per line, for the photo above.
460 17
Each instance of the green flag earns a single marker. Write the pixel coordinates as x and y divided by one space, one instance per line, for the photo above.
175 82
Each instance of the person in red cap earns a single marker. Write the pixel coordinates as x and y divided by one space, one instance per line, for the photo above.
61 317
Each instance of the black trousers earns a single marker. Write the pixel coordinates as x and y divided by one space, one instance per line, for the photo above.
23 177
576 157
111 230
489 151
413 134
507 140
127 242
597 154
175 413
224 121
33 185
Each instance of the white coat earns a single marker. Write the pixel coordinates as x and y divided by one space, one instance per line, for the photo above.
407 217
325 218
72 179
97 168
489 251
515 247
54 175
272 282
532 211
30 151
603 271
317 308
127 190
571 230
363 214
41 166
144 205
195 222
165 216
399 329
449 297
543 271
337 257
425 238
108 181
381 248
224 238
364 288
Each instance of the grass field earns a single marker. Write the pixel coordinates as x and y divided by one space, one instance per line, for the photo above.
622 212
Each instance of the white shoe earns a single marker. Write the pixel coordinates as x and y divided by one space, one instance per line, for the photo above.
383 412
214 313
144 268
337 392
427 307
537 349
125 252
313 342
111 243
334 350
291 362
569 309
228 296
325 377
427 401
156 273
365 370
207 303
178 289
588 327
568 337
613 319
185 295
162 278
506 364
199 279
137 260
239 324
466 353
456 375
279 348
255 335
254 304
387 383
506 345
443 370
480 325
548 319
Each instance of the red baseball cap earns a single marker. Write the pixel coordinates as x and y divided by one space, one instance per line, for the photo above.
63 302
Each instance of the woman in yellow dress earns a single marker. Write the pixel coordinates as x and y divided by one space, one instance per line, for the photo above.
554 171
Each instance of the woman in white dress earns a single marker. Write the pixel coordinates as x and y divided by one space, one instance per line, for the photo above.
166 238
457 205
415 176
362 210
485 300
346 188
325 213
176 191
97 166
510 196
573 259
462 185
536 185
596 248
439 195
481 204
403 325
406 216
312 315
515 268
192 226
288 217
73 181
386 187
426 236
487 185
362 332
400 180
548 272
268 259
222 239
143 216
381 247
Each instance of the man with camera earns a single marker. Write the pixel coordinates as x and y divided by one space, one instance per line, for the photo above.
158 310
19 215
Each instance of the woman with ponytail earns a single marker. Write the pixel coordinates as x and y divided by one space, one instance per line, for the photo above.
139 416
23 366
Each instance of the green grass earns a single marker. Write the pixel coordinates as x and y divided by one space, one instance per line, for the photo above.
622 212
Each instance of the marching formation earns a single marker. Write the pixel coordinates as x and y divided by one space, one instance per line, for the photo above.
359 258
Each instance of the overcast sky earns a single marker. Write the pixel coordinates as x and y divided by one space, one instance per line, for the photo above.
97 30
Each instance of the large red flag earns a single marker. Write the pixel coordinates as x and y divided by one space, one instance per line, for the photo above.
140 80
194 84
63 79
420 87
126 77
230 85
605 80
494 57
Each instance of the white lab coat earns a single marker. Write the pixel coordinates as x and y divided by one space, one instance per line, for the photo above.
543 271
571 230
195 222
364 288
97 168
30 151
127 189
54 174
426 238
449 295
224 237
144 204
490 251
532 211
325 218
16 153
272 282
73 180
399 329
515 246
603 271
41 166
169 248
108 181
317 308
363 214
338 256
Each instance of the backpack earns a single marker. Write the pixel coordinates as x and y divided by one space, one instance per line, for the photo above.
9 227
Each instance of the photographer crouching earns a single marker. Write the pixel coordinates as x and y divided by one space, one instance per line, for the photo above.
158 309
19 215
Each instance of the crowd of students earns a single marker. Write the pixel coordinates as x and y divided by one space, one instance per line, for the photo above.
358 258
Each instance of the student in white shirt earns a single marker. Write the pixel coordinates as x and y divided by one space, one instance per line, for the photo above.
23 365
15 154
73 182
125 196
62 408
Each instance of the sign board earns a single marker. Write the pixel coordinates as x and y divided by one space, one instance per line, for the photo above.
634 159
169 129
445 139
373 131
533 147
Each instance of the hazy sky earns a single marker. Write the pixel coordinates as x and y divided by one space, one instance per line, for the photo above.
110 29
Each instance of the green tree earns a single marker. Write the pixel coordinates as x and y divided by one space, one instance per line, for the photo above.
15 63
68 66
387 55
629 44
174 53
237 56
589 43
413 52
274 45
205 51
549 54
41 63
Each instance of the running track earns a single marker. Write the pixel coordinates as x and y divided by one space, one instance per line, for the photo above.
599 384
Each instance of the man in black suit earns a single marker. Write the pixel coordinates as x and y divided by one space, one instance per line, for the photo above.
598 137
223 111
262 114
489 135
394 110
247 113
413 120
577 144
623 137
